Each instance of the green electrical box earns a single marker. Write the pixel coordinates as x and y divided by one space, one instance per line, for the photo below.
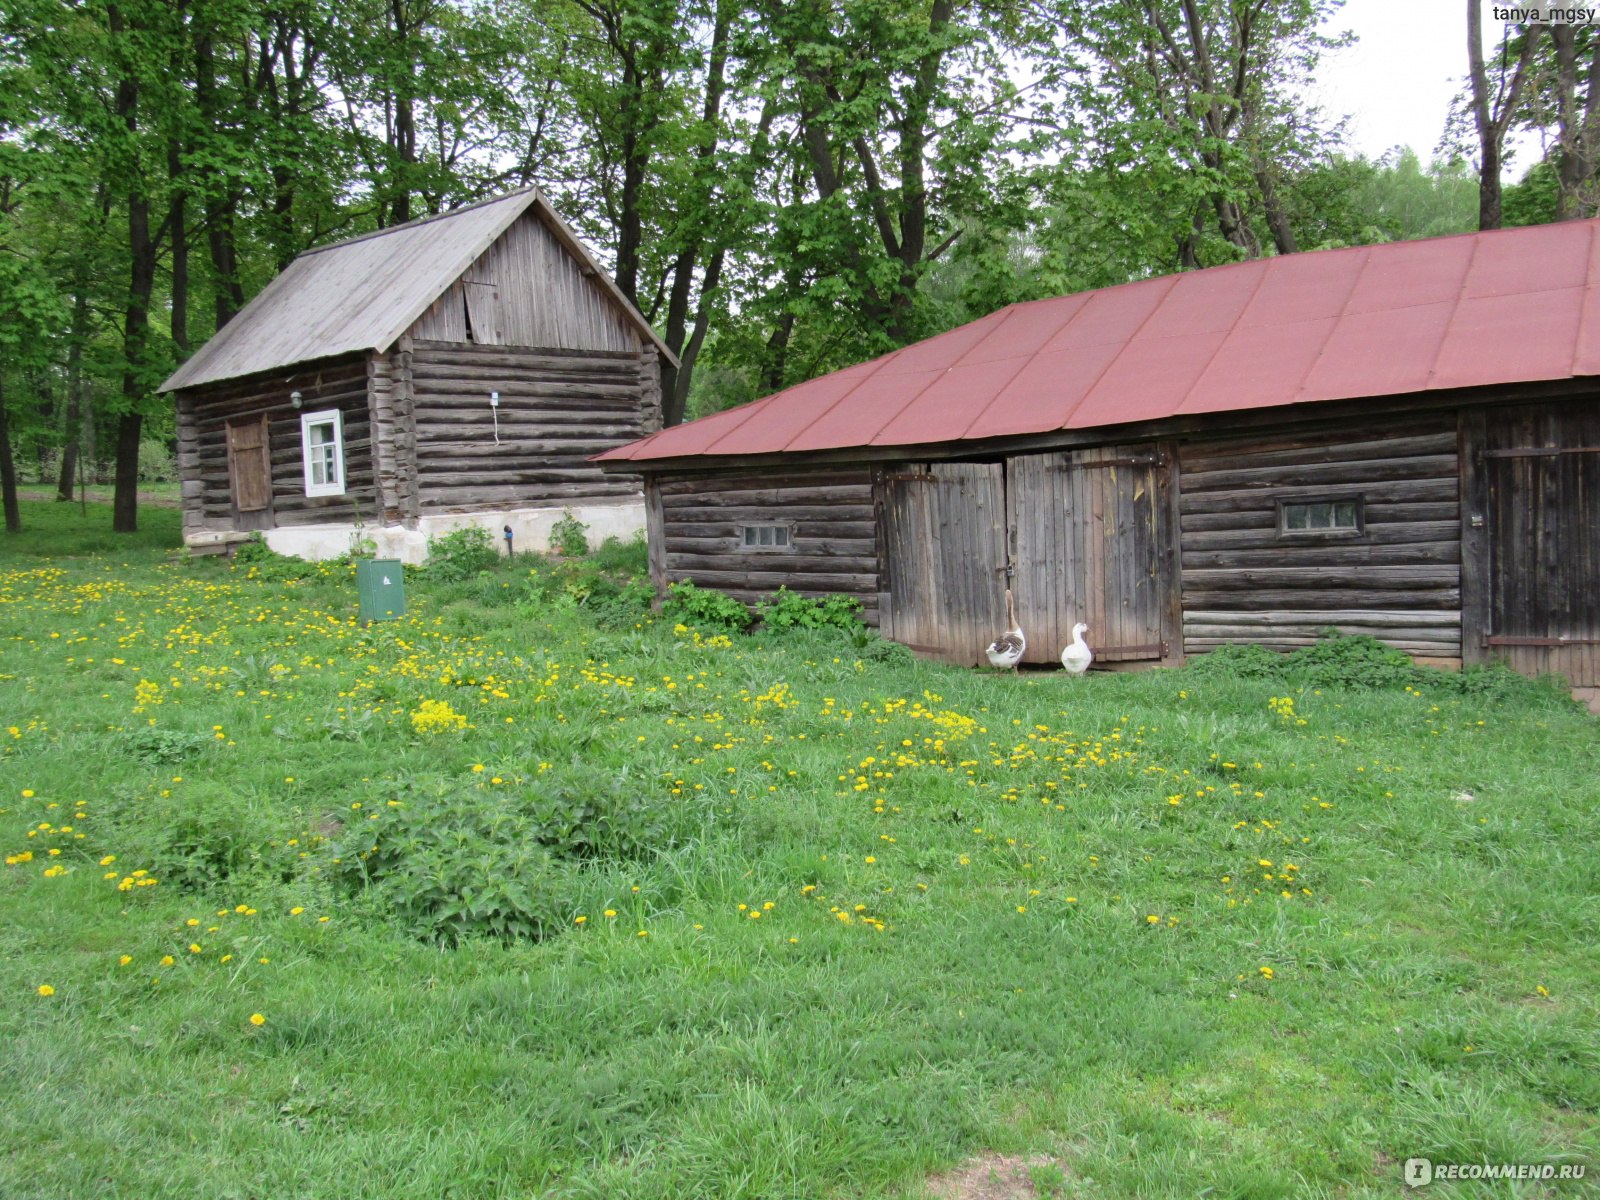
381 589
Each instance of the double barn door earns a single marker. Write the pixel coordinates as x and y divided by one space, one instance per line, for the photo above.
1080 535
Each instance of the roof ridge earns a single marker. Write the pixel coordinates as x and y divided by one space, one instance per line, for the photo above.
417 221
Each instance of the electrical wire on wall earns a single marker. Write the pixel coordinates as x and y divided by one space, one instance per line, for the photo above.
494 411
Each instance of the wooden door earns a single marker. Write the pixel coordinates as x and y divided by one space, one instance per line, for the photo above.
250 471
1091 541
483 314
1541 468
944 556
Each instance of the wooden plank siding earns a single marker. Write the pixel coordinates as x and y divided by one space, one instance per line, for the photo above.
944 537
336 383
1536 474
1089 532
557 407
527 290
1399 580
829 512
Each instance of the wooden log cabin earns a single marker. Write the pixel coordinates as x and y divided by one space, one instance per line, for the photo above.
458 369
1398 440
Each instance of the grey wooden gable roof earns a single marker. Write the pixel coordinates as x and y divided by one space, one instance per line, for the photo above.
362 294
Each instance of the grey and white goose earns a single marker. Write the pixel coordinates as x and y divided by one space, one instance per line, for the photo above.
1005 652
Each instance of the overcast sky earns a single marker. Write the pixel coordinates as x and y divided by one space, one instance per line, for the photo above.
1397 81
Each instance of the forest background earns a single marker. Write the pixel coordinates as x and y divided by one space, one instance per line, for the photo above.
783 187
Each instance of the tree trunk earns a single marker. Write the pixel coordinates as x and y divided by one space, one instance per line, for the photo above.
677 329
221 239
404 137
1576 129
72 431
136 318
180 251
125 493
1491 118
8 468
1277 219
677 401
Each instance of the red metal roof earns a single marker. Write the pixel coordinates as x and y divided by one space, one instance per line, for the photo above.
1511 306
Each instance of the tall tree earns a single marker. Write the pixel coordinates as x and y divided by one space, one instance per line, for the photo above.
1494 104
1197 104
29 315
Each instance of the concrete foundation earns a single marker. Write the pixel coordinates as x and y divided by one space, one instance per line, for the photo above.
530 530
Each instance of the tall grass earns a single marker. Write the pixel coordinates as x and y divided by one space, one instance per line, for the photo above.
803 919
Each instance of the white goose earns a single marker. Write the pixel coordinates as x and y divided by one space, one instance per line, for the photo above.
1077 656
1005 652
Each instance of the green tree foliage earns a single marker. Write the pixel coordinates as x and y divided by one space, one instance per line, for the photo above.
1400 200
782 188
1193 108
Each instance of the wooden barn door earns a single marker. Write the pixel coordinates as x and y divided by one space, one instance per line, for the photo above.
250 472
944 554
1091 537
1540 489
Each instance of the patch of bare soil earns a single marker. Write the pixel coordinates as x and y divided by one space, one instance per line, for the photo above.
991 1177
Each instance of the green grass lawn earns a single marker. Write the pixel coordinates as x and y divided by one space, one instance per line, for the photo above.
787 916
70 530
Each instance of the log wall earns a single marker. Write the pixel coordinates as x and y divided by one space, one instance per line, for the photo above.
557 408
203 414
832 527
527 290
1399 581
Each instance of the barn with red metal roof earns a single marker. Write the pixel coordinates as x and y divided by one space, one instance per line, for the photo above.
1401 440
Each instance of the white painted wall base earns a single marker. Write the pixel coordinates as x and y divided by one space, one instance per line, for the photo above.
530 530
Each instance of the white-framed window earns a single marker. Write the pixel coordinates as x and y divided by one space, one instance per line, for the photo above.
322 445
765 537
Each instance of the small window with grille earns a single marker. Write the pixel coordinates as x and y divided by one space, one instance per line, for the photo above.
1342 516
765 537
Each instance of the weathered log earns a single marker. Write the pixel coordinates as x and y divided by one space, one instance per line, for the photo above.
1397 534
1380 490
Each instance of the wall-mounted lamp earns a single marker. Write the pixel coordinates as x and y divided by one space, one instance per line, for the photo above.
296 399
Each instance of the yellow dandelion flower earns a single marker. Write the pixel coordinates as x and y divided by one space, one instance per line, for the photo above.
257 1019
45 989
